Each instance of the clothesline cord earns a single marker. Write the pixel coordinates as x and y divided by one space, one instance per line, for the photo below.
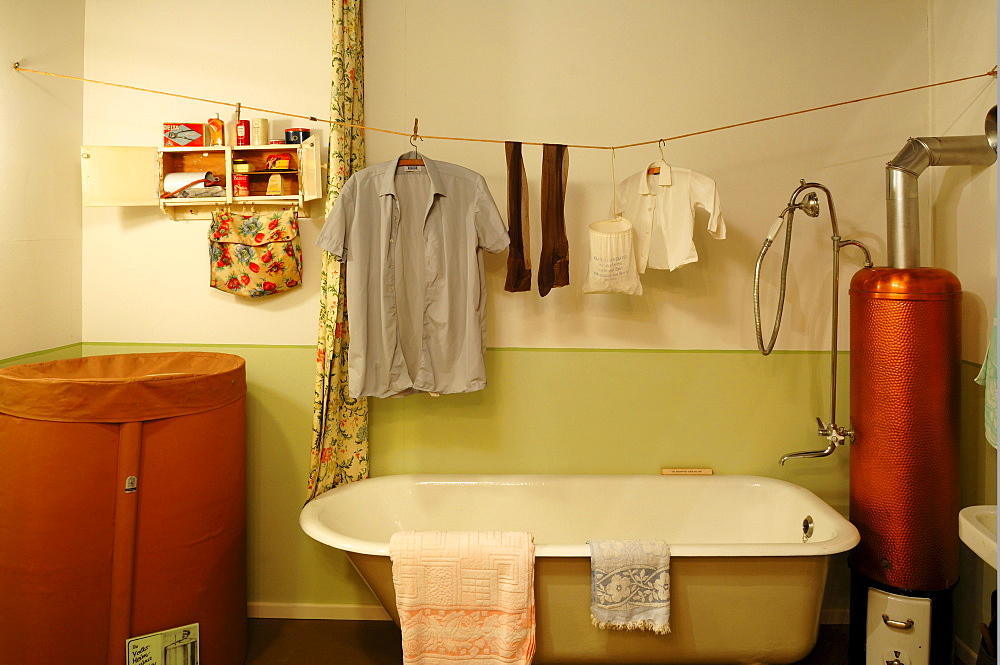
992 73
614 184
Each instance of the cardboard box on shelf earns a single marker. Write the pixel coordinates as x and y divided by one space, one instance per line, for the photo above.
184 134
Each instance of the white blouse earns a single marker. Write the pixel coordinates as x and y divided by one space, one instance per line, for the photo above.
662 211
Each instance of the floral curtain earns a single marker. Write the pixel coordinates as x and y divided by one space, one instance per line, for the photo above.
340 424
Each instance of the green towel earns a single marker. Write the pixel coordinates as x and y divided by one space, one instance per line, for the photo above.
988 377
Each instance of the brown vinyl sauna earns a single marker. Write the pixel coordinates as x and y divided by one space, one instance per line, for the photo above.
122 506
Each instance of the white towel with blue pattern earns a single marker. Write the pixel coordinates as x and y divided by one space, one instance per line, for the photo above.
630 585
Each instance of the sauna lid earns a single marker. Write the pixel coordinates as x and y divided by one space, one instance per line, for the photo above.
129 387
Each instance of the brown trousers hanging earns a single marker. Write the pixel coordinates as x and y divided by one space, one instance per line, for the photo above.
518 256
553 265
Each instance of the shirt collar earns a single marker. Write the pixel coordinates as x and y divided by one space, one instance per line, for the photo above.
430 168
663 180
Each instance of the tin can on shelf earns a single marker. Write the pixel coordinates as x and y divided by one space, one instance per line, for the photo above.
241 184
241 166
259 131
296 135
243 132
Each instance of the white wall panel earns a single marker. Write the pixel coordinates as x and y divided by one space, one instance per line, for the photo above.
585 71
594 72
40 125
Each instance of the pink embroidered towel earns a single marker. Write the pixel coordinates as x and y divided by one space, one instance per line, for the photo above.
465 596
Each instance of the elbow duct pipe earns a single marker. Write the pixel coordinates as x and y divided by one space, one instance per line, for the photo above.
901 174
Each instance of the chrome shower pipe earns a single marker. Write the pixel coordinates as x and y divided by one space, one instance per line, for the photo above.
834 433
902 172
838 244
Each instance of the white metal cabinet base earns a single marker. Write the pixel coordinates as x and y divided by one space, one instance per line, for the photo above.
898 629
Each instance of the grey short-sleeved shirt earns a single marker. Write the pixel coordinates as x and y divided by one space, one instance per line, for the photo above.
416 288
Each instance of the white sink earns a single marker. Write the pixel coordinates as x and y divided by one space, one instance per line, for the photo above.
977 527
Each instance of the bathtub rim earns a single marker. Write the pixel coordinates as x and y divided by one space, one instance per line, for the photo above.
845 534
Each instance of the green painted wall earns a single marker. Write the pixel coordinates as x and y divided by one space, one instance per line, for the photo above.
284 565
60 353
560 411
600 411
552 411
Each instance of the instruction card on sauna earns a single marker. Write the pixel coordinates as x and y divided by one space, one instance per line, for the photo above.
177 646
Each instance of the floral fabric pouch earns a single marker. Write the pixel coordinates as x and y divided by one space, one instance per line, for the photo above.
255 255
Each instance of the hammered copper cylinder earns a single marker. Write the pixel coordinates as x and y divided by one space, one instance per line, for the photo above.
905 362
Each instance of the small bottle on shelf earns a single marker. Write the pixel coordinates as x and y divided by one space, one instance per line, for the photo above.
216 131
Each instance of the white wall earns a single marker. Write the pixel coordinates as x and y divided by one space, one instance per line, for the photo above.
146 277
964 231
964 216
40 129
581 71
597 72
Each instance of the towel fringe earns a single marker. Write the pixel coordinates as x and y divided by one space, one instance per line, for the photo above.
644 624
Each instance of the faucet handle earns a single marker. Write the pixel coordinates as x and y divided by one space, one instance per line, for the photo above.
833 432
836 435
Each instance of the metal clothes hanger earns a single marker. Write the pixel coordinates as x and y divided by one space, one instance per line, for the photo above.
655 170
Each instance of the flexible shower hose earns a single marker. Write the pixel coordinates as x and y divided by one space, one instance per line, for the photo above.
775 228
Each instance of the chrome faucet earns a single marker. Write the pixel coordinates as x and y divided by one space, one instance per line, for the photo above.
832 432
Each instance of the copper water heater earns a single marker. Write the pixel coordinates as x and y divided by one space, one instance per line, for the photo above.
905 361
905 364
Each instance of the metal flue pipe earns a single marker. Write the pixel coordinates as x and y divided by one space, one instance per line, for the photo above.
902 208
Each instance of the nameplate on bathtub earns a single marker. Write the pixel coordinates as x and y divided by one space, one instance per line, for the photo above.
686 472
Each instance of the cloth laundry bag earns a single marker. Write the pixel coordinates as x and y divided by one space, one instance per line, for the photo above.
255 255
612 259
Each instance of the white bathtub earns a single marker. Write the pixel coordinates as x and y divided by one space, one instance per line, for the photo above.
745 588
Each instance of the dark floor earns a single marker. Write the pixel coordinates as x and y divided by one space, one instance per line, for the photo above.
318 642
321 642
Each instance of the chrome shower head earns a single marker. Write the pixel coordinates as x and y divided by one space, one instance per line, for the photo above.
809 205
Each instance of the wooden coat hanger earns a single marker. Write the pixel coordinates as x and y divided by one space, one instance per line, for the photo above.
413 141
